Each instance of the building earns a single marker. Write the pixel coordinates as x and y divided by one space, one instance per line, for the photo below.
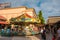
5 5
9 13
53 19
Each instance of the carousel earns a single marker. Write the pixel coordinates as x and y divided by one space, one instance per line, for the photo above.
25 25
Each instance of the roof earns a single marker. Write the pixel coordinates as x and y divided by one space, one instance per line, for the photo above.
13 8
27 15
53 16
32 9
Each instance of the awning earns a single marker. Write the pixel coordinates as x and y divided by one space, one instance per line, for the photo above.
2 22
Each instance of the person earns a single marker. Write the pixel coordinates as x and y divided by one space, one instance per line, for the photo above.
43 33
58 34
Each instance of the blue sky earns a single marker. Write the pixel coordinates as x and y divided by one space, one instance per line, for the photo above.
48 7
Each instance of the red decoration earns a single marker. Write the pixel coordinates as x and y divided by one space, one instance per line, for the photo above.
28 15
2 22
1 17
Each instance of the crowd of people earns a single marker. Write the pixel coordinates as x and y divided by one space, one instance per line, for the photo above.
54 30
56 34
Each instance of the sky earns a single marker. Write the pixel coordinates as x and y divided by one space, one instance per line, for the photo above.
48 7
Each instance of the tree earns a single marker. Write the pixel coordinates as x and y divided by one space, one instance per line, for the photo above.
40 16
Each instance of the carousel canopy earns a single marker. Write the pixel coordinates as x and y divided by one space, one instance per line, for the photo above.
25 18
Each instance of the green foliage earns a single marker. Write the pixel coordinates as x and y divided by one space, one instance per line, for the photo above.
41 17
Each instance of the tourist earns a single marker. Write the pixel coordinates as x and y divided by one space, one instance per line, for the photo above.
43 33
58 34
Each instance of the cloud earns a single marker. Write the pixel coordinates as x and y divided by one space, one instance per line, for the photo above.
48 7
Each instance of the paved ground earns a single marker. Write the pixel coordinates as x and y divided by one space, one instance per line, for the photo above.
49 36
19 38
35 37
